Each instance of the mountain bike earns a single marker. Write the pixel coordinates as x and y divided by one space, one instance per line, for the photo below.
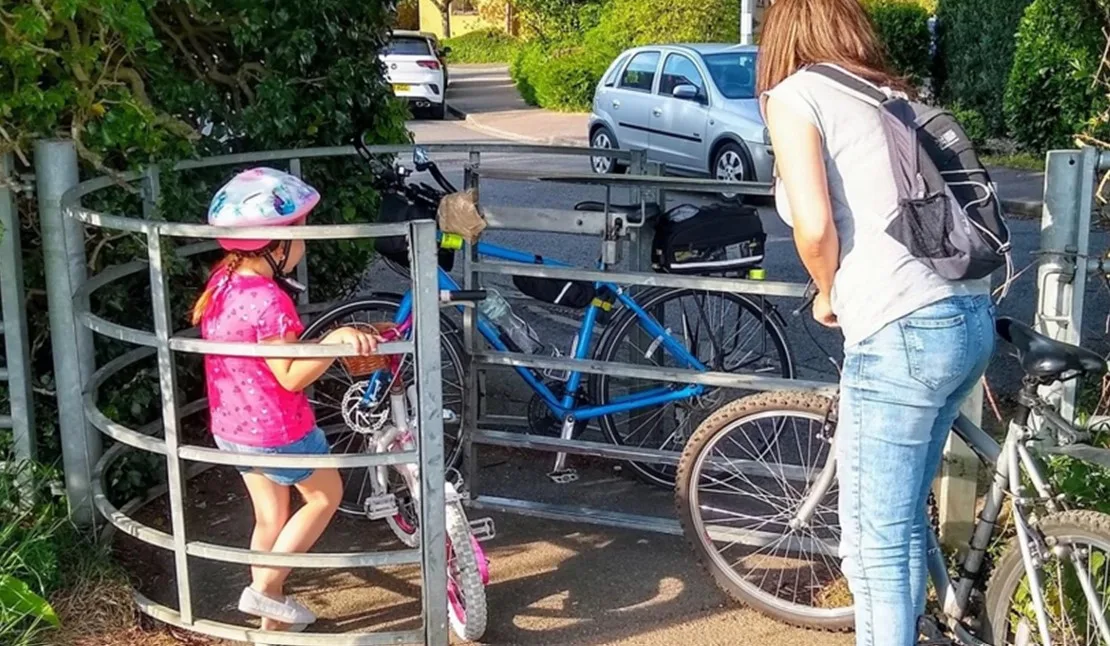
685 328
388 424
757 499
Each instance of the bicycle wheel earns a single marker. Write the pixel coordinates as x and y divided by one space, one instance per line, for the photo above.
741 480
726 332
337 386
1072 621
466 593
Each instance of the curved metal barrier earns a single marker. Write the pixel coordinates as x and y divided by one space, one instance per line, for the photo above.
164 342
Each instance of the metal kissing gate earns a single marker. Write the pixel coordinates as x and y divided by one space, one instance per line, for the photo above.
164 342
1060 289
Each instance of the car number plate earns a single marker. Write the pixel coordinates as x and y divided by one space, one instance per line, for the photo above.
401 87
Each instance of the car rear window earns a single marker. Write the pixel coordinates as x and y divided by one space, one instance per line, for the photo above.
640 73
408 47
733 73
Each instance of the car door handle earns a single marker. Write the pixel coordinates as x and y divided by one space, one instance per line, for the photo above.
616 103
657 112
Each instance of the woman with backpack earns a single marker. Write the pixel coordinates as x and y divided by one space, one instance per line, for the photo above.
915 343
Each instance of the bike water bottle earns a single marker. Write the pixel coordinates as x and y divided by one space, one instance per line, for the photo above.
497 311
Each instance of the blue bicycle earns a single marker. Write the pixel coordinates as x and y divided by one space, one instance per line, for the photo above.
677 328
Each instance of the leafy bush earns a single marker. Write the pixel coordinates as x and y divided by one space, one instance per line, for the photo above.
1051 95
561 75
973 122
554 19
903 26
137 82
482 46
975 49
557 76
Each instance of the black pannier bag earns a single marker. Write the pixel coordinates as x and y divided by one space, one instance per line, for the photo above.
714 239
568 293
397 208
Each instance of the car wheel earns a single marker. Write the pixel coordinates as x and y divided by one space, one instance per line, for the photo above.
731 165
603 138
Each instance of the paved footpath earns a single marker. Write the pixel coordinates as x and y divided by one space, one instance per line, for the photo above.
485 97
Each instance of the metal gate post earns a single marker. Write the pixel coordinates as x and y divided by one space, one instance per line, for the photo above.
1062 274
472 392
63 248
302 266
17 347
747 21
429 409
956 488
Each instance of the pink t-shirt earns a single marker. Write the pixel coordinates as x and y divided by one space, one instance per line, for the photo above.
247 403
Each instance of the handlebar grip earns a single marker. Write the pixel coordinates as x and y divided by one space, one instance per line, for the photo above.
462 295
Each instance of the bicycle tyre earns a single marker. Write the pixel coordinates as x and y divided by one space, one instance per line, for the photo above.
625 323
468 618
809 406
1009 574
451 351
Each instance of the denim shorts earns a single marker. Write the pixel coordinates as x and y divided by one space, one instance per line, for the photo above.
314 443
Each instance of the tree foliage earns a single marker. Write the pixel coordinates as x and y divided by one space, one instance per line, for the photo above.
138 82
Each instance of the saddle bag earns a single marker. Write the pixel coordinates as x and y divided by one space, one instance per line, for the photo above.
715 239
397 208
575 294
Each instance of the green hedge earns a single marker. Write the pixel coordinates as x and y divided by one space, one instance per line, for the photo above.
903 26
482 46
975 49
1051 95
562 75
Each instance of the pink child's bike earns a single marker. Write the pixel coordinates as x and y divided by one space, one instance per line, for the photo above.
379 413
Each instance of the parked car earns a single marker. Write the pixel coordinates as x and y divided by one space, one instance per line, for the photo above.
414 65
693 108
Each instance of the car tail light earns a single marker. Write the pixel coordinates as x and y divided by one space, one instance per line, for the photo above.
432 65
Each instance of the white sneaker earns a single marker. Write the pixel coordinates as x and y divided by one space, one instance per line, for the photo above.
284 609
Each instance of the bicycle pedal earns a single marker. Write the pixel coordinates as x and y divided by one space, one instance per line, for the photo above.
565 476
482 529
381 506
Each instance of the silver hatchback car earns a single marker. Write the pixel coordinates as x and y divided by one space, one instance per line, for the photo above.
693 108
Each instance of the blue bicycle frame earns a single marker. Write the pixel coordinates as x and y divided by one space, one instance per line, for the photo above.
565 406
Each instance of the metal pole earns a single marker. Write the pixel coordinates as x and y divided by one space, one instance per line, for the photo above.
746 22
429 408
63 247
167 384
1065 234
17 347
302 266
472 392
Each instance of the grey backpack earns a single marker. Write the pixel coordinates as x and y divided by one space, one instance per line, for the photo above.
949 217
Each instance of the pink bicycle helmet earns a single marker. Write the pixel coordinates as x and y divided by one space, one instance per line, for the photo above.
260 197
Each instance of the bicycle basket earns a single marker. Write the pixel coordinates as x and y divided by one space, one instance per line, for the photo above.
363 366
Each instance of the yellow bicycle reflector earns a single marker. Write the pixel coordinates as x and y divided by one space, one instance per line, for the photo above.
451 241
757 274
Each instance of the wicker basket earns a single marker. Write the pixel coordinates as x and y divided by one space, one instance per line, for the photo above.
363 366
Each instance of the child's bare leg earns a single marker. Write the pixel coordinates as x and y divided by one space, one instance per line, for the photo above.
271 513
322 492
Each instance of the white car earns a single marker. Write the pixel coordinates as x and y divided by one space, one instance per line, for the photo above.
414 67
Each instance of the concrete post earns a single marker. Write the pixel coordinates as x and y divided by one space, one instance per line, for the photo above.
63 246
747 22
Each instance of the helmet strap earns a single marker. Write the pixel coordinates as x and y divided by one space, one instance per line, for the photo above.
281 273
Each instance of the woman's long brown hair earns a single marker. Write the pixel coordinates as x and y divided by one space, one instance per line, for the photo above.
797 33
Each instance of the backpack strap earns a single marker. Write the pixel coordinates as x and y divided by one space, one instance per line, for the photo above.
855 85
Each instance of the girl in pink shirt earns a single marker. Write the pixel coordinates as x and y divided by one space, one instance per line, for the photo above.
258 405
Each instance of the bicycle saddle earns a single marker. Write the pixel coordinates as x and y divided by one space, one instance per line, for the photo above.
651 210
1045 358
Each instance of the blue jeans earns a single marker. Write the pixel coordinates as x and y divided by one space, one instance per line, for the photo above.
900 392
